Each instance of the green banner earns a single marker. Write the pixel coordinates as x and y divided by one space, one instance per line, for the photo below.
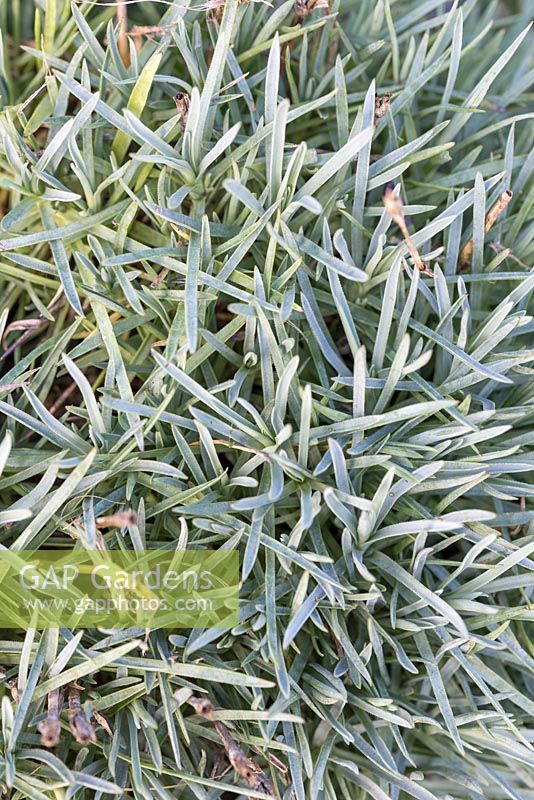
119 589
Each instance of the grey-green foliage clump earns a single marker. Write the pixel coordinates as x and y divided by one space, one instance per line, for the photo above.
209 317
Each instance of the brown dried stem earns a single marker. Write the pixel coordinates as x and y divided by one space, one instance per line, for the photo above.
63 397
244 766
491 218
394 208
50 727
29 326
81 728
147 30
161 276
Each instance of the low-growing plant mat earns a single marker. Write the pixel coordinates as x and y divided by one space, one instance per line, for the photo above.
265 284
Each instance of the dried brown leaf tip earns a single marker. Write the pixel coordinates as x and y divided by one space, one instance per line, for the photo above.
122 19
29 326
81 727
100 718
160 278
395 209
182 104
215 9
13 689
491 218
303 8
50 727
122 519
382 104
245 767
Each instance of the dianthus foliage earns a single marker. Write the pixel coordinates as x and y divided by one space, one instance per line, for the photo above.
265 285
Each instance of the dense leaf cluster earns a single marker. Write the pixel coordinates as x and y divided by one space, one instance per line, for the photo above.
210 318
